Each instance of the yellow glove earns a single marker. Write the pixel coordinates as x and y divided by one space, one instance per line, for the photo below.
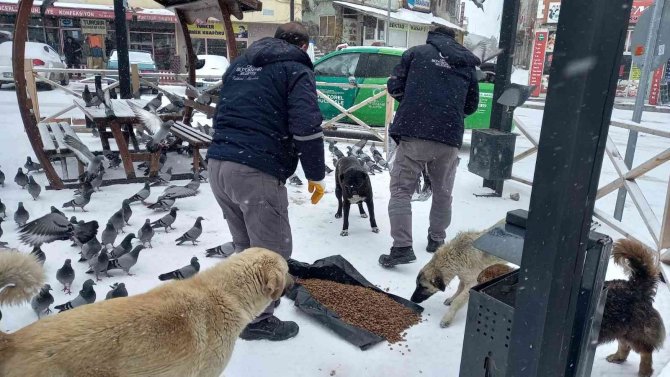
317 189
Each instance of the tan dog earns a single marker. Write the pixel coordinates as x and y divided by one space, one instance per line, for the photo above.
182 328
457 258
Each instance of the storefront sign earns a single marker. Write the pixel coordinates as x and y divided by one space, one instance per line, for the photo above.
537 64
419 5
88 13
639 6
655 89
398 26
553 12
92 26
635 73
217 31
418 28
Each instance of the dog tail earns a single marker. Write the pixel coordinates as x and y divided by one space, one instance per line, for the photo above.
640 263
21 276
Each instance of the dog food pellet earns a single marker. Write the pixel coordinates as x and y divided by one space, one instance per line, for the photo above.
332 372
364 308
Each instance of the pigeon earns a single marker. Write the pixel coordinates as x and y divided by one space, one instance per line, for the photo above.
112 93
162 204
83 187
3 209
328 169
44 6
141 195
65 276
166 221
225 250
106 100
99 264
192 234
79 201
87 96
479 4
486 49
39 255
117 221
90 249
55 226
155 103
155 124
126 261
21 179
118 290
195 182
163 178
34 189
146 233
176 104
32 166
2 179
86 296
114 159
42 301
96 182
21 216
124 247
295 180
182 273
127 212
177 192
109 234
335 150
85 156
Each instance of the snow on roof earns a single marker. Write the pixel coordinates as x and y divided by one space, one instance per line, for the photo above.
60 4
402 15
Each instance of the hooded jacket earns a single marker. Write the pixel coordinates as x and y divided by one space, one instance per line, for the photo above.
436 86
268 117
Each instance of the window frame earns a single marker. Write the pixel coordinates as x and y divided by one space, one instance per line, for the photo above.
329 25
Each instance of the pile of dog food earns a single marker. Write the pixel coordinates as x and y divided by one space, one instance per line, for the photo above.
364 308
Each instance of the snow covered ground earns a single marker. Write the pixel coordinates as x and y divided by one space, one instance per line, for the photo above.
316 351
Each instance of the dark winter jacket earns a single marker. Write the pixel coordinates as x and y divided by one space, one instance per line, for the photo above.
268 116
437 87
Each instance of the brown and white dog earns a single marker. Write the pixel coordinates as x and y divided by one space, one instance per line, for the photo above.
182 328
629 316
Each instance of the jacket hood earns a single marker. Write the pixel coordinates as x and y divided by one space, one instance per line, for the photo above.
453 52
271 50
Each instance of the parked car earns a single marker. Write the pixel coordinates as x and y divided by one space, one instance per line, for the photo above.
212 66
373 65
143 59
42 55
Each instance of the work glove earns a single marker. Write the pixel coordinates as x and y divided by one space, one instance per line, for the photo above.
317 190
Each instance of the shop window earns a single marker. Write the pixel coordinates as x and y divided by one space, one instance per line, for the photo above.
217 47
370 24
380 30
36 35
339 66
327 26
380 66
164 50
397 38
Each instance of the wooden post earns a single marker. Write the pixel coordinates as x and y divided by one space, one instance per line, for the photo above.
190 60
664 238
231 43
31 87
135 80
25 106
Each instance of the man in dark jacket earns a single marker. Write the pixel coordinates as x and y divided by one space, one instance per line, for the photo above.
437 87
267 119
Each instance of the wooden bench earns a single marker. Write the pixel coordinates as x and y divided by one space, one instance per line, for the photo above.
52 135
196 139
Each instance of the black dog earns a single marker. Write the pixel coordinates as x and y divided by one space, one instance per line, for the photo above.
353 183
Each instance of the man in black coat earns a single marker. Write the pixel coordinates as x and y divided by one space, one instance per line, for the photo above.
267 119
436 86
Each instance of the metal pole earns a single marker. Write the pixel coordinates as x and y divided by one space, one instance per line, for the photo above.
649 52
576 120
388 23
501 119
291 7
122 49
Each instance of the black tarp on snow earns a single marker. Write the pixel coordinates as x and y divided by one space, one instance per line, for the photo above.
338 269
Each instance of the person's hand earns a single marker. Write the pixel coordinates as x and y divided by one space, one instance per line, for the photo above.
317 189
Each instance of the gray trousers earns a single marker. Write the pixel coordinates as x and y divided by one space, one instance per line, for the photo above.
410 157
255 206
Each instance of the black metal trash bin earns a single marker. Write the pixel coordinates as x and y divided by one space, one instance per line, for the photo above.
492 154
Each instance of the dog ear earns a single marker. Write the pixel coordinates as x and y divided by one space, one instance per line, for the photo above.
274 285
438 282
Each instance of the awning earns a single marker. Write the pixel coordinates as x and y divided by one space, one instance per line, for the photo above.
78 10
402 15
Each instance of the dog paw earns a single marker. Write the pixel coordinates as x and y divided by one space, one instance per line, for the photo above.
375 230
615 358
338 215
364 215
445 323
448 301
646 373
344 233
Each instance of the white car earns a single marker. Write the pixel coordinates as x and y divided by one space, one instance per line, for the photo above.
210 70
42 55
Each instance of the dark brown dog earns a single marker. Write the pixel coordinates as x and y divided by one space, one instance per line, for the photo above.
629 315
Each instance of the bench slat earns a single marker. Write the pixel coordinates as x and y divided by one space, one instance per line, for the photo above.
45 135
191 134
58 135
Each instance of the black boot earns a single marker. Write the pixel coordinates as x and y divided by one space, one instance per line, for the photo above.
270 328
399 255
433 245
